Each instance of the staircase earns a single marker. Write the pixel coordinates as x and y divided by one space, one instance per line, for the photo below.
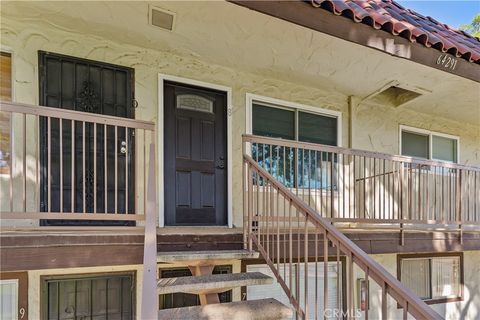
208 286
283 222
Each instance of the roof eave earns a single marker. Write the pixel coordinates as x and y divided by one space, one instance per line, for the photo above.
301 13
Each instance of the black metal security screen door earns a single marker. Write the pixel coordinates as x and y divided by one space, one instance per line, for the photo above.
195 156
88 86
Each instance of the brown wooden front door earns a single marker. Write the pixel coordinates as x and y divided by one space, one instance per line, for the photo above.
195 156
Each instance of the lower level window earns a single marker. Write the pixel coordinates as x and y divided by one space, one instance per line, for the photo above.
8 299
89 297
435 279
315 273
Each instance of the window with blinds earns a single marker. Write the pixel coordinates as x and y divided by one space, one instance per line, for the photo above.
5 95
429 145
434 278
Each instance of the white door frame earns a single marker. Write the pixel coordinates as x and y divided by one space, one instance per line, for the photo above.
160 141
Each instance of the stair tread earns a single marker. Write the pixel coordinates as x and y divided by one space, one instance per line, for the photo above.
211 283
205 256
263 309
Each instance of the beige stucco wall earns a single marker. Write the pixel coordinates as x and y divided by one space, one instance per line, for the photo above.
468 309
374 127
35 282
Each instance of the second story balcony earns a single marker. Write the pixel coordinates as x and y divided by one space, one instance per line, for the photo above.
69 168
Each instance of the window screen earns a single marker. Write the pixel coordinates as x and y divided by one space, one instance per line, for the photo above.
416 276
317 128
273 122
415 145
433 277
445 277
444 148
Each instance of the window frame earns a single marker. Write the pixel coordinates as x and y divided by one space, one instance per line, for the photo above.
460 297
79 276
21 277
252 99
10 51
430 134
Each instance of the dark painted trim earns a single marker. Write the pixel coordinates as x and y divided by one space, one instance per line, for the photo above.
302 13
433 255
22 290
44 251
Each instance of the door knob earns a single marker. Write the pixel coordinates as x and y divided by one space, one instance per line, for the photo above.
123 148
220 163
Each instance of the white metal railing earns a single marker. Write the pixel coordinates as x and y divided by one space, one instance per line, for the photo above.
70 165
355 186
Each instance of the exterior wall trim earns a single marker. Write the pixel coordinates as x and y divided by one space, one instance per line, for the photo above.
160 142
250 98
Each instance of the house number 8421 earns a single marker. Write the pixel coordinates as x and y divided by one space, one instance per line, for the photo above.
447 61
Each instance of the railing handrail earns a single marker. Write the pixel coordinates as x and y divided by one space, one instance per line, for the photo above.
416 306
29 109
355 152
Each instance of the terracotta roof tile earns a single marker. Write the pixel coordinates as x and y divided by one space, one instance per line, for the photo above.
397 20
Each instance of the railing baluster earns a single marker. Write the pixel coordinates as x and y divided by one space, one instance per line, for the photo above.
94 168
116 169
250 205
325 273
61 163
10 165
384 301
49 164
126 169
105 171
305 257
37 161
72 166
316 273
24 163
84 174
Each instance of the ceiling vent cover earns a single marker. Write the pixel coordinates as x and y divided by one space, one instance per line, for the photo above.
161 18
395 94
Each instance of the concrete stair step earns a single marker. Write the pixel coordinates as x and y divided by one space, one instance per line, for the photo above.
211 283
264 309
193 258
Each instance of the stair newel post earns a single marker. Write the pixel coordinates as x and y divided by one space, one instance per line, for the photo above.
250 206
245 209
149 308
